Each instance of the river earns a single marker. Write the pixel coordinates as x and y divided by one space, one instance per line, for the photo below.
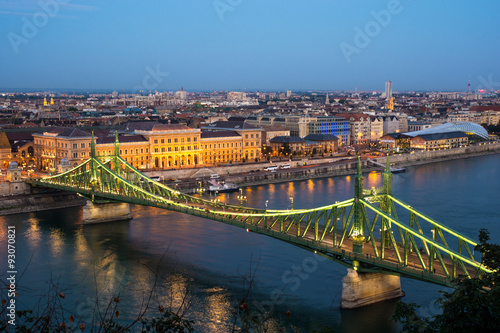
209 265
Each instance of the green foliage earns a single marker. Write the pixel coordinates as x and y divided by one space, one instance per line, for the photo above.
474 305
324 330
286 149
168 322
491 252
407 315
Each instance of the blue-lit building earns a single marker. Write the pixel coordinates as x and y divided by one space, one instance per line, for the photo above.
337 126
302 126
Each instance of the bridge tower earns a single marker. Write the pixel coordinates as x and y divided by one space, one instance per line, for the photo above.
93 164
98 212
361 289
385 206
358 230
116 160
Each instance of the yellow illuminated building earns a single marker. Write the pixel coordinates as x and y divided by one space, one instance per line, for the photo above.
148 145
133 148
52 146
221 147
173 145
250 136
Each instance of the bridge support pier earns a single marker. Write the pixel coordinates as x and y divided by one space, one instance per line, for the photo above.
361 289
105 212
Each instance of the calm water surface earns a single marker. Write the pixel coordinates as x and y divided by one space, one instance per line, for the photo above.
213 263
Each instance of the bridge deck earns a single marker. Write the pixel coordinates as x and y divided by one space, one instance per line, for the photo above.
112 178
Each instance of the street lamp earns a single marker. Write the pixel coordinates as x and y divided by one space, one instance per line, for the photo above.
242 197
291 201
200 189
267 201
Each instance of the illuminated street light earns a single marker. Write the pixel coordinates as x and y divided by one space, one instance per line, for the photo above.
200 189
242 198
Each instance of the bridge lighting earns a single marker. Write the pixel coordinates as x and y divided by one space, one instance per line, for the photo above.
267 201
291 201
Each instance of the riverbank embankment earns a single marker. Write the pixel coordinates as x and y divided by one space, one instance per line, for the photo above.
28 203
247 175
340 167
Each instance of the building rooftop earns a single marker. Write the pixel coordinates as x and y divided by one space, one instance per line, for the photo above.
121 139
460 126
219 134
287 139
441 136
4 140
275 128
321 137
230 125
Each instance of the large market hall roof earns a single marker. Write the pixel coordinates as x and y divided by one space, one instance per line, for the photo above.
460 126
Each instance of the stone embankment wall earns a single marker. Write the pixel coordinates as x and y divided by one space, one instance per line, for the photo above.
397 159
443 155
226 170
39 202
240 174
325 170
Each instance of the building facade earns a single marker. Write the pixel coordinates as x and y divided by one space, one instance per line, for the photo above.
439 141
360 127
301 126
376 128
251 136
52 146
172 145
221 147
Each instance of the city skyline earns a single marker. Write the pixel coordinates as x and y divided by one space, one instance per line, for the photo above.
241 45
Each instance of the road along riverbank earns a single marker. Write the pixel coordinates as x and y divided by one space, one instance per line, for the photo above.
341 167
245 175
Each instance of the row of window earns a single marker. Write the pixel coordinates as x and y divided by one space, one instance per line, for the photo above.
170 149
60 144
175 140
252 136
224 145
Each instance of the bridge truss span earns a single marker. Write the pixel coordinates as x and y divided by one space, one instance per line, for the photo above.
364 232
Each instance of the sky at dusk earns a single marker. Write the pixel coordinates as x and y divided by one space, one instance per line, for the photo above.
249 44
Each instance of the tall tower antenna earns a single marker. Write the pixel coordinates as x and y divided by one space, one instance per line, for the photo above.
468 86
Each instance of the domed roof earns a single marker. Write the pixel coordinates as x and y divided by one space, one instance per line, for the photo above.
460 126
12 165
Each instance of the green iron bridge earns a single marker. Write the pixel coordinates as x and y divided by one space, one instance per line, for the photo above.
364 233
